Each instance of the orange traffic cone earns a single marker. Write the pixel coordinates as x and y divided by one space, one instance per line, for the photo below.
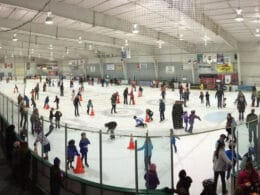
118 100
131 143
92 112
79 166
80 98
147 118
47 106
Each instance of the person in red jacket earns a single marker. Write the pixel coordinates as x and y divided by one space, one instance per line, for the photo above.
248 179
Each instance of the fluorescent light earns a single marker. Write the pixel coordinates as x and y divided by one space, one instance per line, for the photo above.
181 37
50 46
239 17
90 47
126 42
15 38
49 19
135 29
257 32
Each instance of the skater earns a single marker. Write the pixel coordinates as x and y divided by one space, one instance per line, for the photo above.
113 102
257 98
71 153
140 91
173 140
44 141
201 97
233 157
44 87
220 160
185 97
149 113
27 101
16 89
125 94
139 122
148 148
185 117
57 115
162 110
36 89
33 102
83 144
61 88
163 91
56 177
46 103
241 105
72 94
251 124
151 178
57 101
111 128
219 95
231 127
89 105
76 103
253 98
207 99
132 97
34 118
51 116
192 117
180 90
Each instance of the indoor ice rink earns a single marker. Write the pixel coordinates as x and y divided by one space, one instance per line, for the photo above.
157 44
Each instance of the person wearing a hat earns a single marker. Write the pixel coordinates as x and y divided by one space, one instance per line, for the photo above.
56 177
151 178
83 144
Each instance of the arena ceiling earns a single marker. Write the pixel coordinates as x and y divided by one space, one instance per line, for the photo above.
102 28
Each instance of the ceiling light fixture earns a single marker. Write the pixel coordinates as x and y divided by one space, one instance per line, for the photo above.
135 29
126 42
49 19
239 17
80 40
181 37
160 43
50 46
14 38
257 32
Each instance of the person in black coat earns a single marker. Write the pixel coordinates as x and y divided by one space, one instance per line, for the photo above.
125 94
111 128
76 103
57 116
162 110
10 138
56 177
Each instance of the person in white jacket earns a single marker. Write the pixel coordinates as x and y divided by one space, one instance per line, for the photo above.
220 160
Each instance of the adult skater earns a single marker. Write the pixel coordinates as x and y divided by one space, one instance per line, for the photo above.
207 99
132 97
111 126
162 110
36 90
57 115
180 90
34 118
76 103
220 160
51 116
201 97
241 105
257 98
125 94
192 118
61 88
148 148
151 178
139 122
57 101
251 124
163 91
231 127
113 102
219 95
83 144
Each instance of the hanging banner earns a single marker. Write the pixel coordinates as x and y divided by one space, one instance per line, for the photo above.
169 69
225 68
110 66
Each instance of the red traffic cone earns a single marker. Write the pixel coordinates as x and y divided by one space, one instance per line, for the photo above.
118 100
47 106
147 118
79 166
92 112
80 98
131 143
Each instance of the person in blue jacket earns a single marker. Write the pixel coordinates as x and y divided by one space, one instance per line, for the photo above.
162 110
139 122
71 153
173 140
233 156
27 100
83 144
147 147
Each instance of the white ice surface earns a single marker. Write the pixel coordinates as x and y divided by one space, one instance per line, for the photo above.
194 151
